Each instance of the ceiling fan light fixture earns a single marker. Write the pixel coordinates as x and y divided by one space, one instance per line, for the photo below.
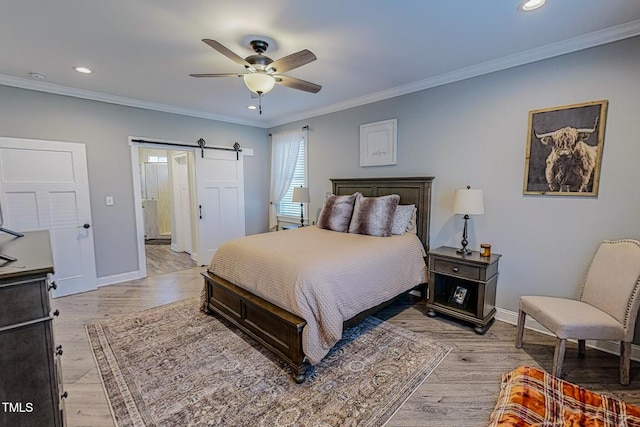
259 83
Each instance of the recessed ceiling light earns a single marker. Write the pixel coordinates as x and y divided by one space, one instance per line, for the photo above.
252 107
83 70
529 5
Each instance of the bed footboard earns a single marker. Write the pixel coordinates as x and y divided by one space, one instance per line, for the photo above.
275 328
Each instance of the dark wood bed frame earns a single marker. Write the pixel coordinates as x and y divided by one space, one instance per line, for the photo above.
281 331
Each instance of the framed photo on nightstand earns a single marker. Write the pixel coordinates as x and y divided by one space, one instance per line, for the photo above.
459 296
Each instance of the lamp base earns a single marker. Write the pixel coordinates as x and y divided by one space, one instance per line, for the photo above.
463 250
301 215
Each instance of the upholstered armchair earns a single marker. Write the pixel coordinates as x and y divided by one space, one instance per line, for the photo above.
607 308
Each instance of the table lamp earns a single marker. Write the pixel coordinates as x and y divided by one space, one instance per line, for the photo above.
301 195
467 202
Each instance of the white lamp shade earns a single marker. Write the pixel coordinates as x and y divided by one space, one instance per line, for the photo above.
468 201
301 195
259 82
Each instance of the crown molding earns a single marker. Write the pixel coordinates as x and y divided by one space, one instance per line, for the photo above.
119 100
596 38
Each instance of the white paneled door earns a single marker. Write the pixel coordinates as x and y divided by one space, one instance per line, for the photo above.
220 193
44 185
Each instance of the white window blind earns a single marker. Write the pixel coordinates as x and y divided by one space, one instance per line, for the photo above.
286 206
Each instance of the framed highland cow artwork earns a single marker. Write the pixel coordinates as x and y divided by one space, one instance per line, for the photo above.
564 150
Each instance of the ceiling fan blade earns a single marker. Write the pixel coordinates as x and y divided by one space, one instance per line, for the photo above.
292 61
294 83
226 52
218 75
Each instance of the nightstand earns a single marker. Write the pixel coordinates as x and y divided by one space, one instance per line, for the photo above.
463 286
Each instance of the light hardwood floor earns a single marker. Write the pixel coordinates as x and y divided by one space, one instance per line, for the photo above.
462 391
161 259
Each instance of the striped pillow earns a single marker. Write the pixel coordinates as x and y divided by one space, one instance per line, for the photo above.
373 216
336 212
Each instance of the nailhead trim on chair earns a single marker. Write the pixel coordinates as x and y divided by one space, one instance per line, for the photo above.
636 288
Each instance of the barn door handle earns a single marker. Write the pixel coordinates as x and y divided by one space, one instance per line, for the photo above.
85 226
200 208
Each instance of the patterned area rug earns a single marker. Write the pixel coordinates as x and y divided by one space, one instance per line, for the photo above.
531 397
175 366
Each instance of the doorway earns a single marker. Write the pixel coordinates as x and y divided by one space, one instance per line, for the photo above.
206 185
166 194
44 185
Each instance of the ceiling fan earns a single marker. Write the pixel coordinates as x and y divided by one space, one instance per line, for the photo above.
263 73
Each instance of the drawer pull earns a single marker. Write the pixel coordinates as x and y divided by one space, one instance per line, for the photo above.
455 269
56 313
52 286
59 350
64 395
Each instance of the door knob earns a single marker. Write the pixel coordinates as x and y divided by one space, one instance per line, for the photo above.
84 226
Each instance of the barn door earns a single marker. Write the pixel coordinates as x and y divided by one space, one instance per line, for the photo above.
220 200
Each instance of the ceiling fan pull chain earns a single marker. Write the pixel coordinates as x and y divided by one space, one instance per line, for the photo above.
260 102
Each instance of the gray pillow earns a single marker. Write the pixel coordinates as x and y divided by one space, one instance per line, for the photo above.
336 212
402 218
412 227
374 215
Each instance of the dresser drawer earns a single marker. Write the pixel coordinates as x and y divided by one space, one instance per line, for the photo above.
28 375
461 270
24 301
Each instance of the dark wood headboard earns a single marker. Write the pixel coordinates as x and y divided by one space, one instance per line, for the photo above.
412 191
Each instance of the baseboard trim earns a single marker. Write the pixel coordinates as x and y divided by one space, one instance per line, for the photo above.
612 347
119 278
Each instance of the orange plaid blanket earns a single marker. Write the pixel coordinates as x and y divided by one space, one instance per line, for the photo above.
531 397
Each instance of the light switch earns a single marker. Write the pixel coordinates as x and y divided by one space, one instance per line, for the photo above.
108 200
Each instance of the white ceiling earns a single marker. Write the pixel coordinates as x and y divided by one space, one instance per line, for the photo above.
142 51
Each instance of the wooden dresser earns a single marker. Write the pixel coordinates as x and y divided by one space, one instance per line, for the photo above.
31 391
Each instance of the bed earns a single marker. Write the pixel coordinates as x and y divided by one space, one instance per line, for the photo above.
236 280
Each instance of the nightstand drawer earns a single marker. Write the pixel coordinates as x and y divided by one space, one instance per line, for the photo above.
462 270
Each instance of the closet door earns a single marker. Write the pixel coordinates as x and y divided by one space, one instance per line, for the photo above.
44 185
220 200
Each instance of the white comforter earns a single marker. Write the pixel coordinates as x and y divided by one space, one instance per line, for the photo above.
323 276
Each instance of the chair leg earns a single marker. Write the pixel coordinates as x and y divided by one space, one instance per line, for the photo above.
520 332
582 348
558 356
625 362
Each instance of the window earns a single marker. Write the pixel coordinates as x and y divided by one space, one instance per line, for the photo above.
286 206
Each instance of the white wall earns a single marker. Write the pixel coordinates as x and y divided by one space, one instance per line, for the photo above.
474 133
105 129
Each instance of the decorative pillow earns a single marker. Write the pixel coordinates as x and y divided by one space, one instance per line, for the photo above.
412 227
402 218
336 212
374 215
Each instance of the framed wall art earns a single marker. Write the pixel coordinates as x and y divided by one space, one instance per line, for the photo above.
378 143
564 150
459 296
